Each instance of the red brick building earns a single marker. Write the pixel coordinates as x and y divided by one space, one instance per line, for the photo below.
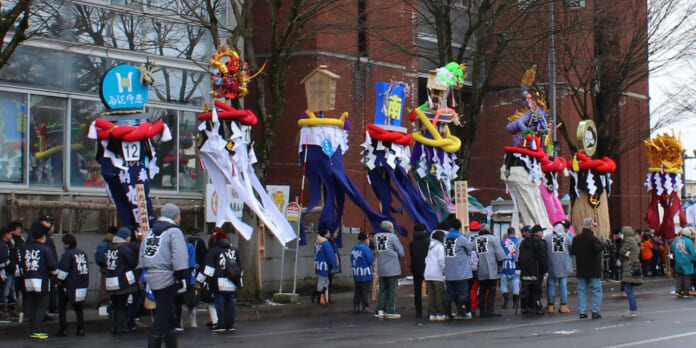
363 58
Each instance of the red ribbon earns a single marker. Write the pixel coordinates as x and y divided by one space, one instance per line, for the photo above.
246 117
379 133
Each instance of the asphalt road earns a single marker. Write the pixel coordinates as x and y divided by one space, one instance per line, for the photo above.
665 321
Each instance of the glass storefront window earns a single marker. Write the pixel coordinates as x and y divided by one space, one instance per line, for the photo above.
13 127
85 171
166 151
46 144
190 175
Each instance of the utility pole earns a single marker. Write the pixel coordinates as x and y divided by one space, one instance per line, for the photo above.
552 75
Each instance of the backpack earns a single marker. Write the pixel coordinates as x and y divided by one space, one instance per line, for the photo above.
234 272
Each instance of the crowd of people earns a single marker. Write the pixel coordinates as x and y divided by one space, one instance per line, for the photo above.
160 270
166 271
464 268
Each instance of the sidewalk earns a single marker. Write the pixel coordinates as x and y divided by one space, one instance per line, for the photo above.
270 310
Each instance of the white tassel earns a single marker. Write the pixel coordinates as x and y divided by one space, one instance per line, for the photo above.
166 134
92 134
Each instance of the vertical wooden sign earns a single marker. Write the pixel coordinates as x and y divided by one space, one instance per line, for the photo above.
142 209
461 200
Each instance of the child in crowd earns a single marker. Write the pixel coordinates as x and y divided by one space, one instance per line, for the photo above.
362 260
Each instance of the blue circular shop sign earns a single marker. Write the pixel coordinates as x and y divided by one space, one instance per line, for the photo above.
121 88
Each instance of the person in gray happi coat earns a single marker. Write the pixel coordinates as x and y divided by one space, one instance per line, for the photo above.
457 271
559 265
490 253
389 250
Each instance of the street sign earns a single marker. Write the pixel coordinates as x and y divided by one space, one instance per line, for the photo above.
293 212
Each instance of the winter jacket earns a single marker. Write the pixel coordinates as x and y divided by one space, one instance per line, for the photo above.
215 270
587 250
4 260
73 274
646 252
38 263
389 250
435 262
419 250
490 252
362 260
557 249
121 260
324 257
201 250
510 246
163 254
458 250
532 259
684 255
630 246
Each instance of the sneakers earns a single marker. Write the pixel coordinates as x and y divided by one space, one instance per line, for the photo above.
230 329
392 316
596 315
564 308
551 309
432 317
218 328
630 314
440 317
583 316
179 329
465 316
38 336
379 314
366 309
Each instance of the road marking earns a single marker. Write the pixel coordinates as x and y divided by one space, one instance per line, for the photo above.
653 340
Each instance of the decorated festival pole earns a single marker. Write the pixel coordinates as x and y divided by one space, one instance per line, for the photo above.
126 153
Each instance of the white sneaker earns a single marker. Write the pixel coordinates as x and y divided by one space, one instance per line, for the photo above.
630 314
392 316
379 314
432 317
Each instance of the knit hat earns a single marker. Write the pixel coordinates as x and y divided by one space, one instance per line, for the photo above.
527 228
170 210
474 225
588 222
123 232
220 235
386 226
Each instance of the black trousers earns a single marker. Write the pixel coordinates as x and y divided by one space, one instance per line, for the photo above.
119 302
486 294
362 294
52 296
35 307
62 306
165 315
530 295
418 294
